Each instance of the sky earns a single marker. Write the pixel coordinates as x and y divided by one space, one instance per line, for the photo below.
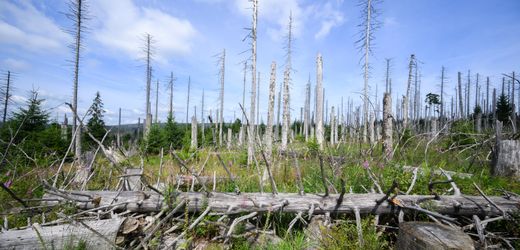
478 35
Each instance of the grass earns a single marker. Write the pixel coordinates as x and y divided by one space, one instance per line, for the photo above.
413 152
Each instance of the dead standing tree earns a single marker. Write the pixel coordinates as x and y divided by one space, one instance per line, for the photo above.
222 62
78 14
286 116
251 131
369 25
6 94
406 98
148 49
319 101
270 114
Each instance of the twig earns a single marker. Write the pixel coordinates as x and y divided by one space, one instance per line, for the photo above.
298 175
359 227
488 200
323 176
387 195
456 190
236 221
480 231
165 219
237 190
414 179
181 162
191 227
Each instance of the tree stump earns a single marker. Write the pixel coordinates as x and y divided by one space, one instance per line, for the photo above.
506 160
427 235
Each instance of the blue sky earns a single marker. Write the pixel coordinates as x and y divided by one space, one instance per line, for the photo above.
479 35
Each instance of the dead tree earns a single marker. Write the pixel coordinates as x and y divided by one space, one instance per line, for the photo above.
442 95
194 126
468 90
286 117
202 121
7 96
369 25
307 109
188 100
221 74
251 131
319 101
461 103
170 87
332 127
270 113
148 52
406 98
156 102
78 14
387 126
277 127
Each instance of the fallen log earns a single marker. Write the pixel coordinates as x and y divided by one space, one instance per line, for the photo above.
66 236
231 203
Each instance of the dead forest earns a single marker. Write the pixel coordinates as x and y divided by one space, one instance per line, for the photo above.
410 170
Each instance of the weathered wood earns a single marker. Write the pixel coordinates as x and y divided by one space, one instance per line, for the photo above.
427 235
132 179
66 236
506 160
438 172
148 201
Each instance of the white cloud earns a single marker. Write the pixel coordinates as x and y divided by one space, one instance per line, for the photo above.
25 26
330 17
275 13
390 21
15 64
122 26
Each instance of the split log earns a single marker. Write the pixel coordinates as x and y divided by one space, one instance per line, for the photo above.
463 205
66 236
427 235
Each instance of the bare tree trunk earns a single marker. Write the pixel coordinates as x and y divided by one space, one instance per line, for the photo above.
156 102
319 101
406 98
442 96
285 116
7 95
332 126
202 120
306 122
194 126
366 47
387 126
468 90
258 106
229 138
170 85
251 132
277 127
270 113
78 17
119 130
221 73
188 100
461 103
148 115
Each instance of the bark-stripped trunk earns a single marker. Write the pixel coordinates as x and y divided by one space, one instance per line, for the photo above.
222 73
307 108
150 201
285 116
332 126
366 47
194 126
251 131
442 96
148 111
461 103
202 120
7 96
406 98
270 113
78 20
387 126
156 102
319 101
